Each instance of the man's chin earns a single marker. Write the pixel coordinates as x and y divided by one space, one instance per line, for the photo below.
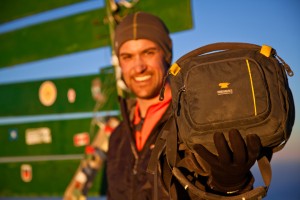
146 95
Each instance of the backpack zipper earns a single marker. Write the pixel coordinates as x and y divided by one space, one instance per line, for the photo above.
287 68
180 91
162 90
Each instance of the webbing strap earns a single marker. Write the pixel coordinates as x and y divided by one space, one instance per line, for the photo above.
153 162
155 185
190 163
154 158
160 146
265 170
172 144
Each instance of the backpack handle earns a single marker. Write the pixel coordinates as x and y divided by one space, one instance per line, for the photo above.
220 46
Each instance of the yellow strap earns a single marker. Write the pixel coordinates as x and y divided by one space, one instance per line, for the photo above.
252 87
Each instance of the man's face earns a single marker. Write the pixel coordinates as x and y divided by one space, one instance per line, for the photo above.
143 67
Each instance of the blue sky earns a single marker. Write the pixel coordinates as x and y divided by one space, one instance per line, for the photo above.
272 22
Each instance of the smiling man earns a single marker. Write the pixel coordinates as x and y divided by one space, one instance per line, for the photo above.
144 50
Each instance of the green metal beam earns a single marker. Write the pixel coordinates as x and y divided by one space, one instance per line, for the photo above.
14 9
21 99
81 32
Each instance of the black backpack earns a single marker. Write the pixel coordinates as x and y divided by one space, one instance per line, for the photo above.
222 86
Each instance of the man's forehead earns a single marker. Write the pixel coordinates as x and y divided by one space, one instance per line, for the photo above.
138 45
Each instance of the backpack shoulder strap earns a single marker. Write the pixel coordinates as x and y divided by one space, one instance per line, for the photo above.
256 193
172 143
167 144
162 144
265 170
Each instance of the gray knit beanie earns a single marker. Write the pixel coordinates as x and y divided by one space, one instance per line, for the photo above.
141 25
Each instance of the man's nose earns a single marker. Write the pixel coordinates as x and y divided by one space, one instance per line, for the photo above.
140 65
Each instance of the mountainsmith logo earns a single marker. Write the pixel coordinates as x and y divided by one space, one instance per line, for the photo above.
224 89
224 85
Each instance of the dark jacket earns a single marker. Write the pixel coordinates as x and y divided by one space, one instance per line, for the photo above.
126 167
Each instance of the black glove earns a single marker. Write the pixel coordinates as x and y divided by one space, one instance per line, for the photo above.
230 171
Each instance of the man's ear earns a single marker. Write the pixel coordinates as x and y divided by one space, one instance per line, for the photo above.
120 81
119 78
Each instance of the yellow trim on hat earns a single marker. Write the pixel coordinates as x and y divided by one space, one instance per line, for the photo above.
134 26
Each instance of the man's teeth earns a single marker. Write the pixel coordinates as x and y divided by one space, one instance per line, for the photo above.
142 78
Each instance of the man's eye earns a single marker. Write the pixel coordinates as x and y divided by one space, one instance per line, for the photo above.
149 53
125 57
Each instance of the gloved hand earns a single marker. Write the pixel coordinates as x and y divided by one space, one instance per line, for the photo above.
230 171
